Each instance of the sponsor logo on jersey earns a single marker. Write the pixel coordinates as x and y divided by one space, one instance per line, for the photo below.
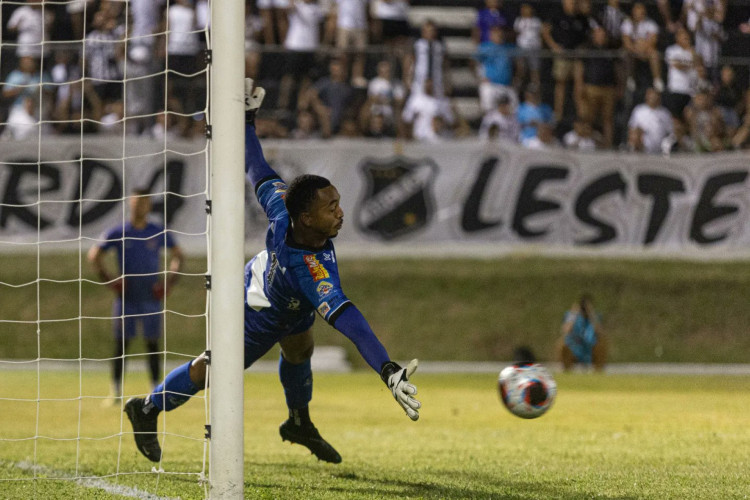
324 308
317 271
324 288
293 304
275 266
397 200
280 187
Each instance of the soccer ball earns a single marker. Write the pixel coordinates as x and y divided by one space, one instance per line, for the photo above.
527 389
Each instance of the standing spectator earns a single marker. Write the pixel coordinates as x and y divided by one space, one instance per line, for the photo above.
640 35
32 23
390 26
489 17
496 69
72 103
428 61
669 11
528 28
302 40
583 340
183 47
141 68
597 82
611 18
709 36
275 19
351 20
253 32
502 121
728 99
77 10
421 110
532 112
104 57
330 98
649 125
693 10
138 286
682 73
564 30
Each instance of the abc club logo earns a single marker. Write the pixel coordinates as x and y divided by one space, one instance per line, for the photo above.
397 200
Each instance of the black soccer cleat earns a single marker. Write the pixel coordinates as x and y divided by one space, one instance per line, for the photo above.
309 437
144 428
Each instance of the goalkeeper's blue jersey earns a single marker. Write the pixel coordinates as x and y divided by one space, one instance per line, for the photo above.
287 283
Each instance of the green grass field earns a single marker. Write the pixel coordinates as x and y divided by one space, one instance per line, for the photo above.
613 437
440 309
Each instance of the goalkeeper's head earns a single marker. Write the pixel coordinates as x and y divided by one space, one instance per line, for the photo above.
314 207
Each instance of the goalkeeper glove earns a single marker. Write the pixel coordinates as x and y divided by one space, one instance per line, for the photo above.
397 380
253 100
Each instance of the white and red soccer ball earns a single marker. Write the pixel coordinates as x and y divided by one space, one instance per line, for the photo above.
527 389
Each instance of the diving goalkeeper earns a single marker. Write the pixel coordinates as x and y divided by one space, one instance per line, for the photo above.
295 276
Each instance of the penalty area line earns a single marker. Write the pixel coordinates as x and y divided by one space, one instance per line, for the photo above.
89 482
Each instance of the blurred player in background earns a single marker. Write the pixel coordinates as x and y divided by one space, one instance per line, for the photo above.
138 284
285 285
583 341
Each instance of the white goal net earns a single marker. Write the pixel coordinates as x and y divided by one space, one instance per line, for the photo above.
103 102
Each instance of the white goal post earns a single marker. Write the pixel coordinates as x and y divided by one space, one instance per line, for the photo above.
227 192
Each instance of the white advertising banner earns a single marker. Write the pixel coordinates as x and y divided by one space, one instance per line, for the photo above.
396 197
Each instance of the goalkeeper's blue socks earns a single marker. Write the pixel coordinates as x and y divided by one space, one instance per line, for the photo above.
175 391
297 382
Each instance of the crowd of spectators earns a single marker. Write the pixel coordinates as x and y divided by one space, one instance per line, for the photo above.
574 74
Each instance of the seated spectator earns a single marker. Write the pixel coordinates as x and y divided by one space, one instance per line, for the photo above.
682 73
640 35
496 70
741 138
502 121
704 123
24 81
385 94
649 125
544 138
420 110
111 122
582 137
528 28
596 86
329 98
491 16
583 341
377 127
428 61
307 126
532 112
23 121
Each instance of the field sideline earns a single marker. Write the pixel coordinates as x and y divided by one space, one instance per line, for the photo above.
611 436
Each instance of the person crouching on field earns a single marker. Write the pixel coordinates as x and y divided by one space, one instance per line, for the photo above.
583 341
